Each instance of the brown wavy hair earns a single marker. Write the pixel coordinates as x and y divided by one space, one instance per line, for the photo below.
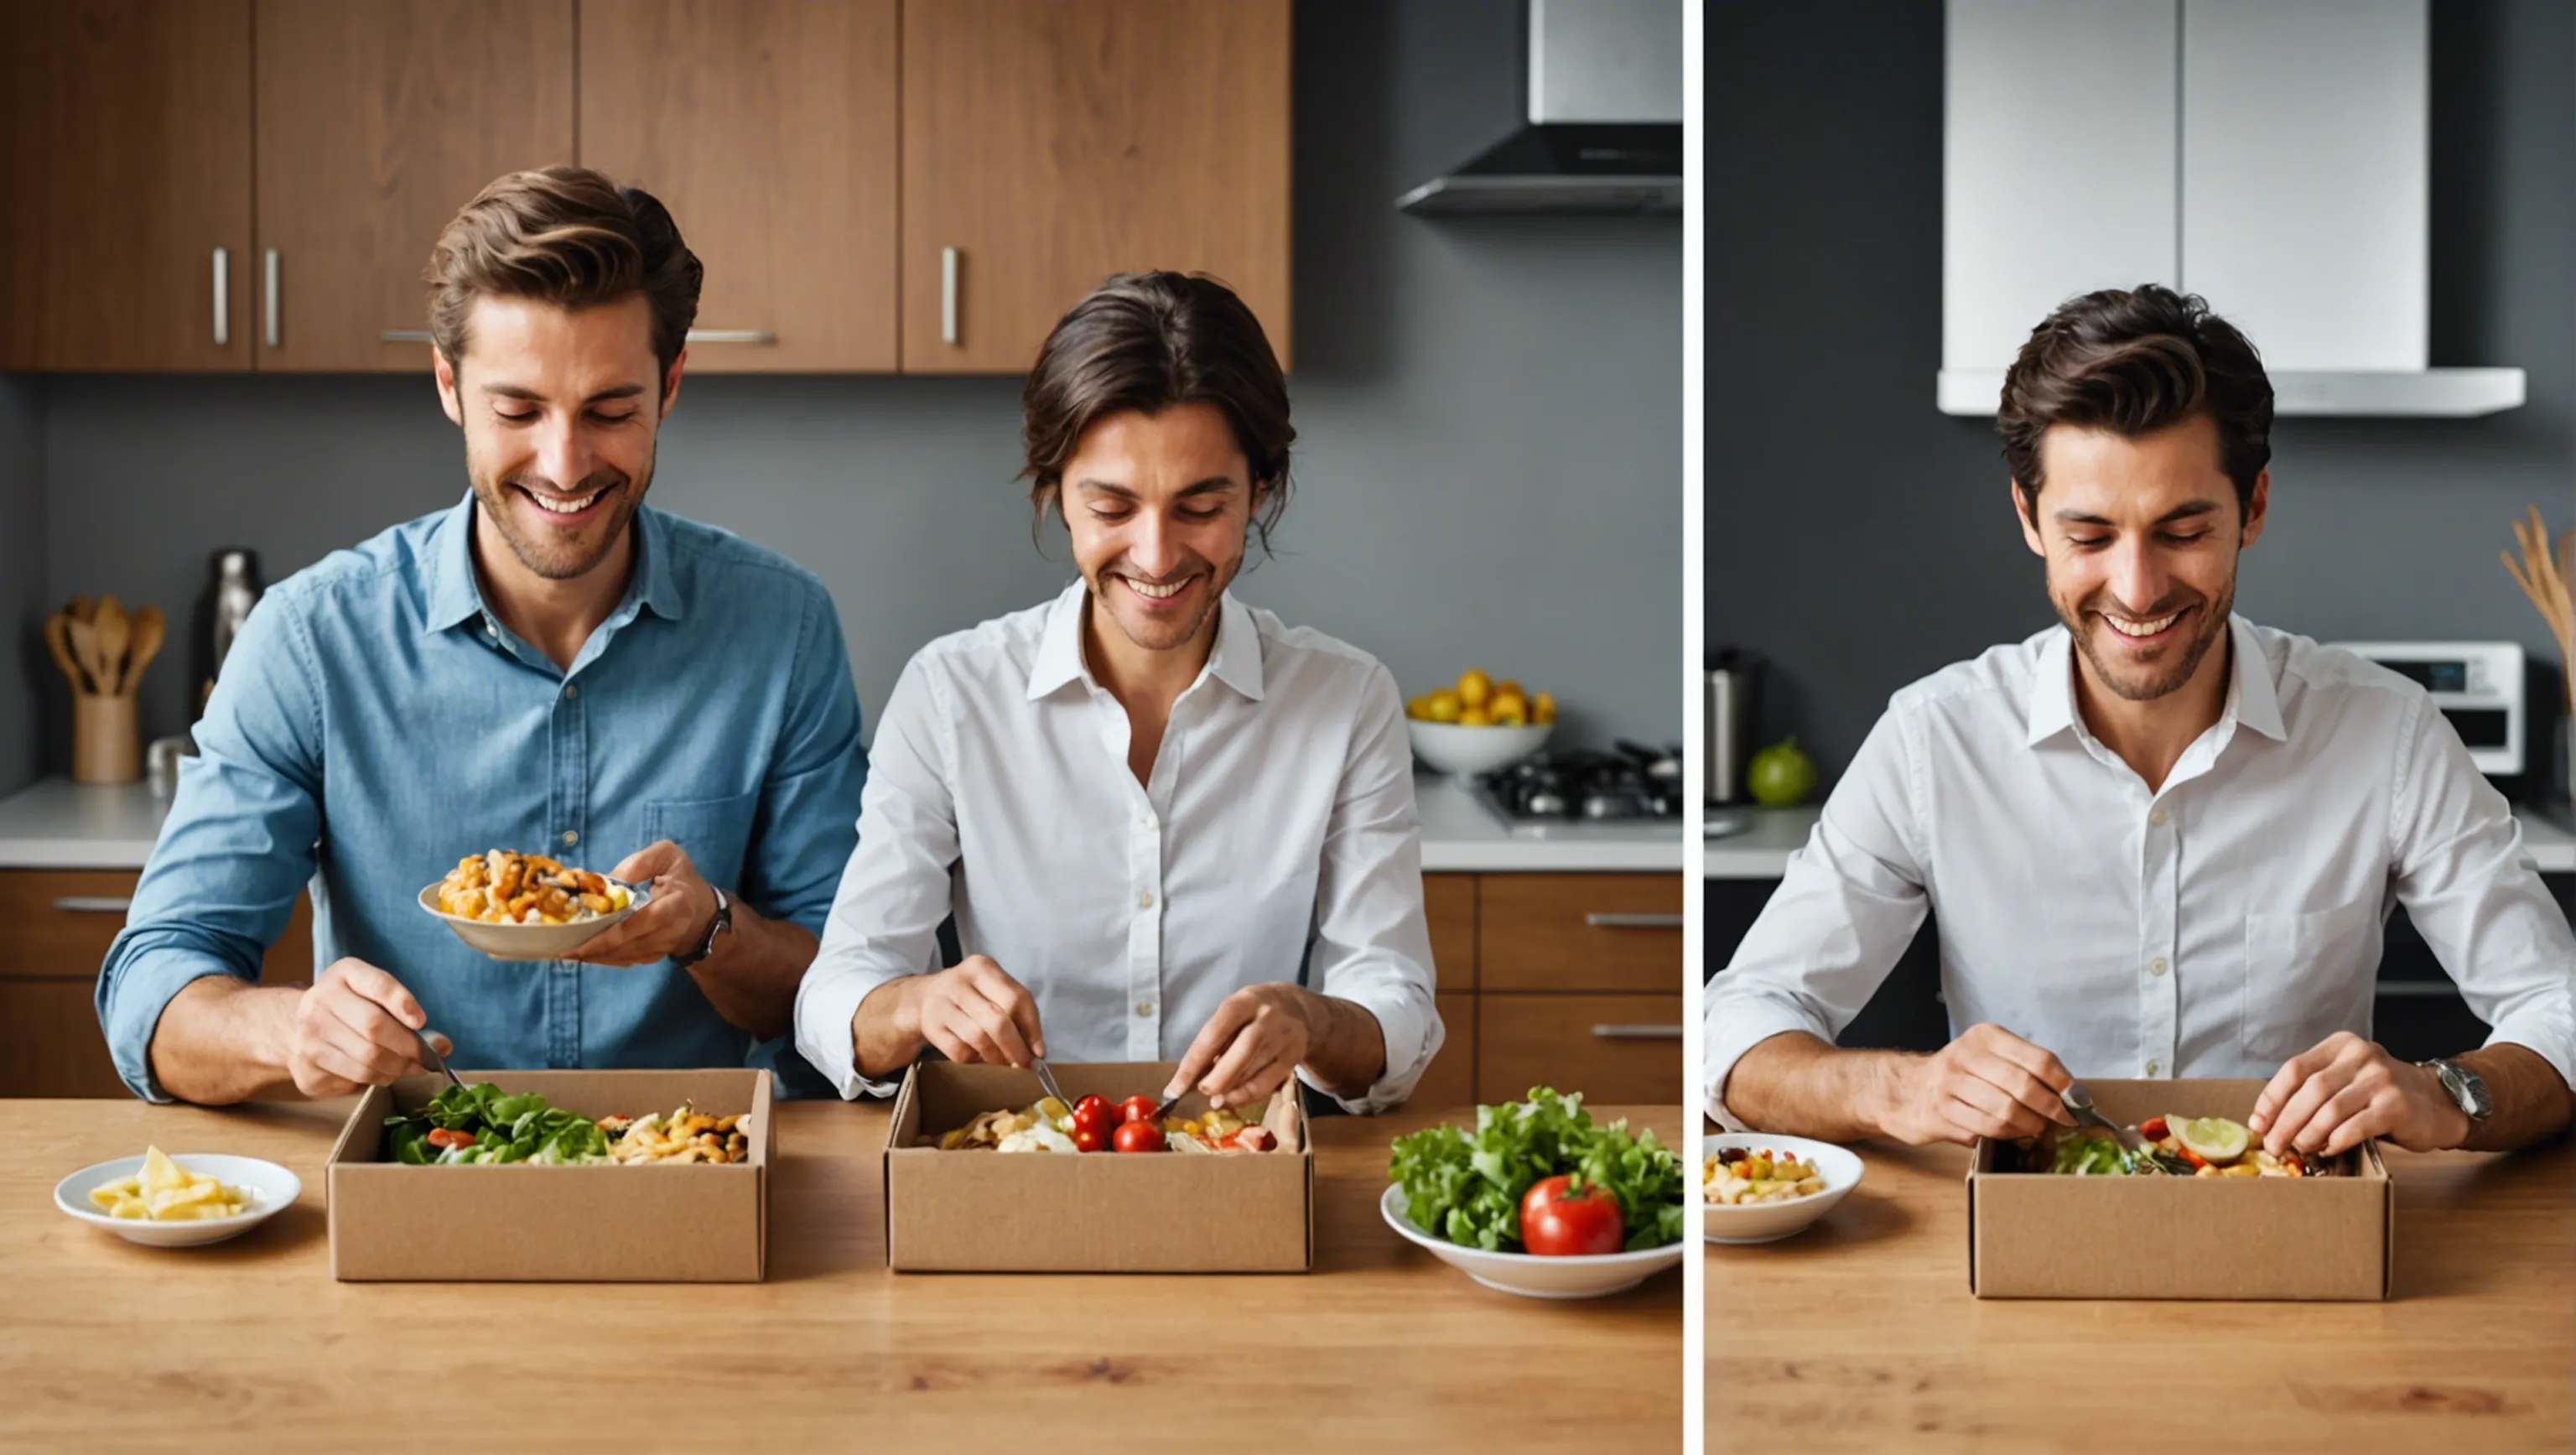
570 237
2134 362
1148 341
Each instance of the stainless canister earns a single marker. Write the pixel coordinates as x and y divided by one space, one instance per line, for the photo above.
1733 676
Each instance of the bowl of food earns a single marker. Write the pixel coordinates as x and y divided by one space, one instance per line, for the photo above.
185 1201
1469 752
514 906
1539 1200
1478 724
1757 1187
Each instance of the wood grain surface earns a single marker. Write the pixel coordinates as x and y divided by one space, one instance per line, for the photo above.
110 1346
1860 1334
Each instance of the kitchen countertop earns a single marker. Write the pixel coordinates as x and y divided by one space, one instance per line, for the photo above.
114 1346
57 824
1862 1336
1762 850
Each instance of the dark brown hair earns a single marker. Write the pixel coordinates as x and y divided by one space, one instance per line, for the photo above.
570 237
1148 341
2133 363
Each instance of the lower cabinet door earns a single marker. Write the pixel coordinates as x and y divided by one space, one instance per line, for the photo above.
50 1043
1615 1049
1451 1081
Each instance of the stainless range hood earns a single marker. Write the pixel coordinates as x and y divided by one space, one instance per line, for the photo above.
1605 119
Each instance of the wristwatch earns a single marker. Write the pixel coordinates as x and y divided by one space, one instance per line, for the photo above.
723 922
2465 1086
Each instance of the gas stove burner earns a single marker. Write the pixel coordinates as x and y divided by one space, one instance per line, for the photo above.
1585 785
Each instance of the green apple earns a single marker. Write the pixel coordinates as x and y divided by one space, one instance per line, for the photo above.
1780 776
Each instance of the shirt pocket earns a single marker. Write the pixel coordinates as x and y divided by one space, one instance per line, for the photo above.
2308 976
714 832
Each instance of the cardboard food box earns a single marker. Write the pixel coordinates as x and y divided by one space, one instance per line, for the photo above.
2040 1235
687 1223
1101 1212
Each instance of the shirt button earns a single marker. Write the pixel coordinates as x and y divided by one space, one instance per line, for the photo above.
570 838
2156 966
2157 818
1144 1010
491 629
571 692
2154 1068
1145 901
1149 822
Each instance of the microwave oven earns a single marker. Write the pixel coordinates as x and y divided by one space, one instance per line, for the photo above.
2477 685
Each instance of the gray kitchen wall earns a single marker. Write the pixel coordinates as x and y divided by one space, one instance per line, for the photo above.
1488 471
24 664
1861 539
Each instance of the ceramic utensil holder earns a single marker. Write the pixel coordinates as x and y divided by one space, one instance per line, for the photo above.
107 744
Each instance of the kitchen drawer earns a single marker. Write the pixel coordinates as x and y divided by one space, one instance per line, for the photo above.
1449 900
1612 1048
66 918
50 1043
1451 1079
1579 932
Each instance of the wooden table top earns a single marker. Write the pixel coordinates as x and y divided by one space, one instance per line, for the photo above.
1860 1333
106 1345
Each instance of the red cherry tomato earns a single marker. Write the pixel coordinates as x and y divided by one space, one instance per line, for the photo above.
1097 1117
1089 1139
1556 1222
1140 1136
1095 1100
1136 1109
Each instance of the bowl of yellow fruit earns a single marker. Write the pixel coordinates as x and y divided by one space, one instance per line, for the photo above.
1479 724
178 1202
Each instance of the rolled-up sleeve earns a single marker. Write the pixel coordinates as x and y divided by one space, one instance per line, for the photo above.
894 891
1372 944
237 846
2462 875
1848 904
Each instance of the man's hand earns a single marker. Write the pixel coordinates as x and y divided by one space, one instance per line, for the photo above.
673 921
1252 1045
972 1011
2331 1097
353 1029
1987 1083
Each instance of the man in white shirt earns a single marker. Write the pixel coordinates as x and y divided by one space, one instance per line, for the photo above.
1169 827
2160 840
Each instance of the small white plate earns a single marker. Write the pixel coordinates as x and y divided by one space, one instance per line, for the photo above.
1768 1222
532 942
265 1186
1529 1275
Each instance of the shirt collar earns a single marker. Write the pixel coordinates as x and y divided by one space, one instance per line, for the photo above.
1236 661
456 593
2253 698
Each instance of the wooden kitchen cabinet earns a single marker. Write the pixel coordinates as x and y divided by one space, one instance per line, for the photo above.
768 128
125 156
50 1042
377 120
1049 143
1612 1048
1449 901
1586 932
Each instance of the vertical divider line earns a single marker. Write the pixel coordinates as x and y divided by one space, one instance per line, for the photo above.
2182 134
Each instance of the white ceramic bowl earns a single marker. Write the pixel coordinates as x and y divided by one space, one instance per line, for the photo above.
531 942
1464 752
1767 1222
267 1187
1529 1275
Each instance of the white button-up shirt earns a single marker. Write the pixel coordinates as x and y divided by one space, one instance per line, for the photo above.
2212 928
1276 841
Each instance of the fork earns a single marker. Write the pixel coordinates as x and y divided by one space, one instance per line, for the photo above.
1046 1083
430 1048
2080 1101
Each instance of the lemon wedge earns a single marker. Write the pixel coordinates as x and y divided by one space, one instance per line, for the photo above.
2212 1139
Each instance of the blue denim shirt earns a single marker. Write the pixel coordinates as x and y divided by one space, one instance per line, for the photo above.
375 723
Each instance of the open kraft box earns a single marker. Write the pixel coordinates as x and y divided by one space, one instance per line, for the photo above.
2038 1235
692 1223
1101 1212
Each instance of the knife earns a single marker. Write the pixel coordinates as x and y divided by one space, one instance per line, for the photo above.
1046 1082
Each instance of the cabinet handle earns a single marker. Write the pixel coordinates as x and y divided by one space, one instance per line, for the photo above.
269 266
403 335
1603 921
1637 1033
2418 989
731 336
948 296
223 297
92 904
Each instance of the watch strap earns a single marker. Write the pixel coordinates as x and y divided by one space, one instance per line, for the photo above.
2467 1089
721 923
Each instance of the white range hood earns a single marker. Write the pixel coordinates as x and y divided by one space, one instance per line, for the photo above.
2269 155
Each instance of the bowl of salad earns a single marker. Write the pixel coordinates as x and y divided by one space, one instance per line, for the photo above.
1540 1200
1759 1187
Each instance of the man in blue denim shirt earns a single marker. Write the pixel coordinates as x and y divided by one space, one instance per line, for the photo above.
549 666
